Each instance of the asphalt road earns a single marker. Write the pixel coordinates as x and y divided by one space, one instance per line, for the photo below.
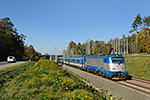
4 64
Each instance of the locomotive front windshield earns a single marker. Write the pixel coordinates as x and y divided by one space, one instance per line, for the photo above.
117 60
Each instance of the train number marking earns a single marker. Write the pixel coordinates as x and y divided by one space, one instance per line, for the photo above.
118 68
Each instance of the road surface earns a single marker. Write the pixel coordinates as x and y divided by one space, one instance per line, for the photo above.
4 64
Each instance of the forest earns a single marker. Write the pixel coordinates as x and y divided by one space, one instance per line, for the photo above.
13 43
138 42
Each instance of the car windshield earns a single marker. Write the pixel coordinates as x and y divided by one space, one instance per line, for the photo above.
117 60
10 57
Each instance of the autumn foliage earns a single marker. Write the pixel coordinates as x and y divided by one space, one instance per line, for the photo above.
12 42
138 42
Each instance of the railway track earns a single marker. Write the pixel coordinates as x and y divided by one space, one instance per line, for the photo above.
138 85
141 80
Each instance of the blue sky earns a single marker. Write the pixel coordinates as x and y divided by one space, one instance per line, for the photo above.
48 23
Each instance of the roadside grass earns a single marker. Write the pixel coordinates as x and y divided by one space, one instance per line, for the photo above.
47 80
138 66
9 73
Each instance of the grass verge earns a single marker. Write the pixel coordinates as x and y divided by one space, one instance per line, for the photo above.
9 73
138 66
47 80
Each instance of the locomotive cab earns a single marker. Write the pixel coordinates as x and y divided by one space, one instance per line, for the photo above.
114 66
117 64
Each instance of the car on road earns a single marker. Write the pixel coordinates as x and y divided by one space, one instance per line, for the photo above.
11 59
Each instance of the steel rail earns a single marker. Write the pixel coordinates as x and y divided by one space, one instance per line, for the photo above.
125 85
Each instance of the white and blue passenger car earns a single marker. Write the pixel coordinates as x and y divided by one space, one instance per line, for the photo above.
110 66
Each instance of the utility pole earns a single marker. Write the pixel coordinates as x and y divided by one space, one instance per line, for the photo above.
52 56
67 51
64 53
116 46
88 46
124 46
119 46
127 45
93 48
55 53
112 46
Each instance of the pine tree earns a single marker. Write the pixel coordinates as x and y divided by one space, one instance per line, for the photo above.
135 25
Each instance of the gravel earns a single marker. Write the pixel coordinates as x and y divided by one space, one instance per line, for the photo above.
111 88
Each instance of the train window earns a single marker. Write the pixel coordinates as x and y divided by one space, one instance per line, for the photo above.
72 60
78 60
117 60
66 59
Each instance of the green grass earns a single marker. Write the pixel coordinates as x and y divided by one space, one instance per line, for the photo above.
138 66
47 81
8 74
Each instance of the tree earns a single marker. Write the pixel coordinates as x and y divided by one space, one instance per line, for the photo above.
135 25
83 49
146 21
64 52
11 42
141 47
109 47
30 52
98 46
72 48
79 48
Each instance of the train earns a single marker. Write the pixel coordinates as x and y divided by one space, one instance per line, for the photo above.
110 66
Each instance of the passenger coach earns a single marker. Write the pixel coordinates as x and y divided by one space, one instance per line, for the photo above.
110 66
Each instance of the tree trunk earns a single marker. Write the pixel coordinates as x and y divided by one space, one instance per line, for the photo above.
137 39
144 42
148 40
148 34
132 45
137 43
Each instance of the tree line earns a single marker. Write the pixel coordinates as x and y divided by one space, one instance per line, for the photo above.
12 43
138 42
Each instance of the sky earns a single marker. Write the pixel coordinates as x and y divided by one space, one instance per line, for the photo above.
50 23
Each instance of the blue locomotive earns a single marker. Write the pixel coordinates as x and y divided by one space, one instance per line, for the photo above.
110 66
